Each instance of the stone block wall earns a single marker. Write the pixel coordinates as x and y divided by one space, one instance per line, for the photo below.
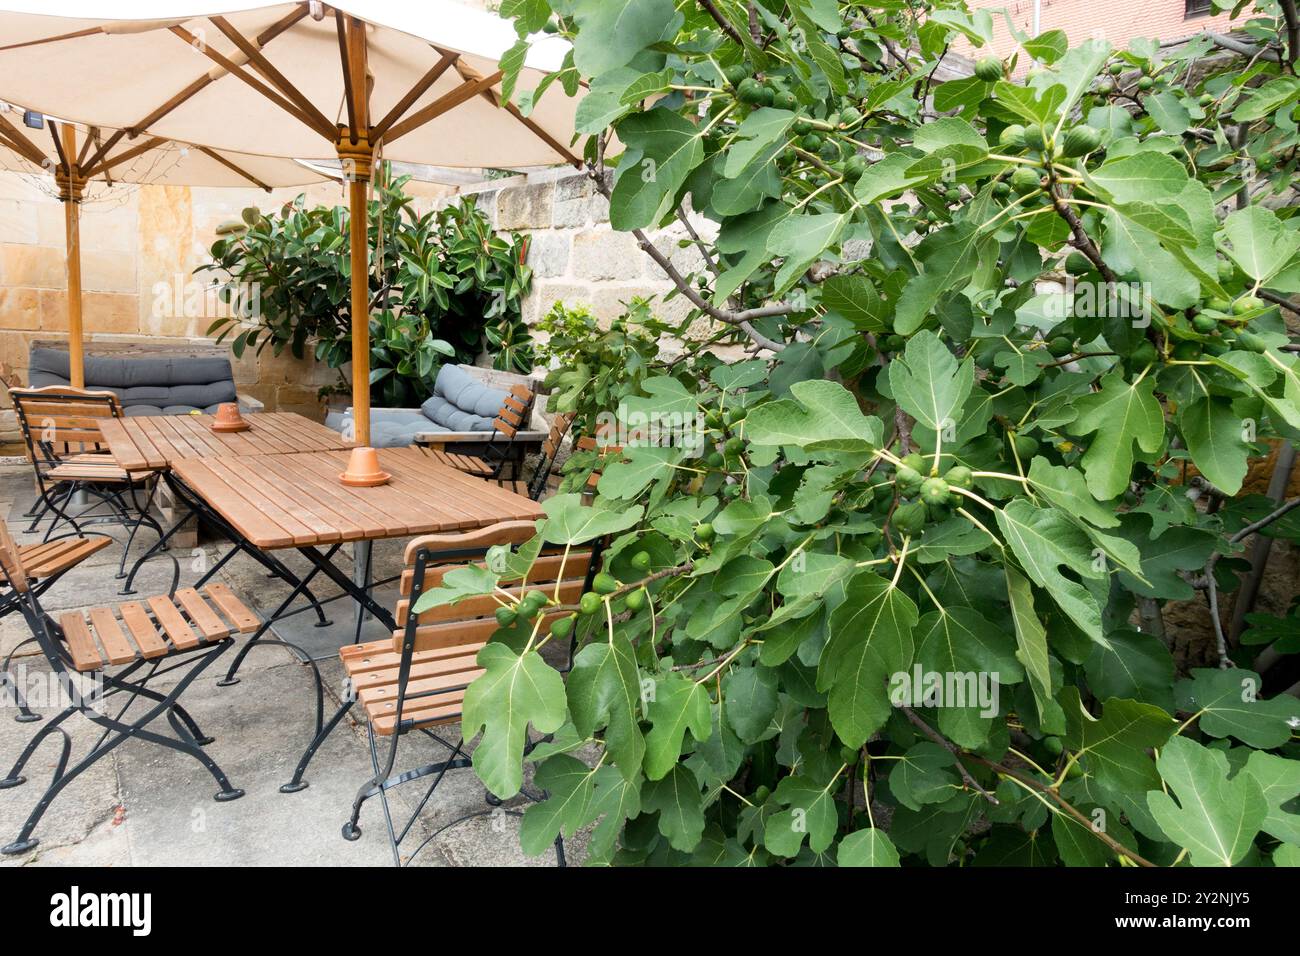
576 256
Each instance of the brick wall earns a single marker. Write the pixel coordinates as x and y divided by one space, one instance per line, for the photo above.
1118 21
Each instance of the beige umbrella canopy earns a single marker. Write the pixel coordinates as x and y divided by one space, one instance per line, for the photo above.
418 81
76 157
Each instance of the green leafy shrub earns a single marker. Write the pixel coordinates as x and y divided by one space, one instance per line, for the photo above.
899 595
447 288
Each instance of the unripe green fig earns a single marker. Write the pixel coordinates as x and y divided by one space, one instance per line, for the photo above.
1024 180
914 461
989 69
641 560
1053 745
908 480
604 583
1081 140
636 600
934 491
1247 304
1187 351
1026 446
959 476
704 531
1205 324
1013 137
1035 138
1060 346
1145 83
750 91
562 627
506 616
909 519
1115 69
1105 87
589 603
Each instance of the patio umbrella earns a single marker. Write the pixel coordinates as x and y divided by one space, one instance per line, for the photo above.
78 156
420 81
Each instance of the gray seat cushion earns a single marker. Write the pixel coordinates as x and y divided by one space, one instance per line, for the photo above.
146 385
389 427
464 393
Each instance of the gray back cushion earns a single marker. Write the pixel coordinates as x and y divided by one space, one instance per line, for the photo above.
461 403
172 384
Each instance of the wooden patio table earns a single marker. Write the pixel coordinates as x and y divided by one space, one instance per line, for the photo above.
275 502
297 500
155 441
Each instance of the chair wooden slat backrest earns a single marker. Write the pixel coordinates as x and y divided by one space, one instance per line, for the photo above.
512 417
59 420
472 620
550 451
11 561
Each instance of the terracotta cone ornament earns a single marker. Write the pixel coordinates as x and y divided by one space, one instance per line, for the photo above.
363 469
228 419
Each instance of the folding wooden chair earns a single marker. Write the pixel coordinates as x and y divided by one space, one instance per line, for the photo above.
535 486
161 636
60 426
44 563
416 680
511 418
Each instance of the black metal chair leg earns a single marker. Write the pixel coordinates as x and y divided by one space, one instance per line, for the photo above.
300 587
297 783
14 778
25 714
141 690
118 733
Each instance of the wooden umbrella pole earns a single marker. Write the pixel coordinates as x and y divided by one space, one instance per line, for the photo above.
356 164
70 186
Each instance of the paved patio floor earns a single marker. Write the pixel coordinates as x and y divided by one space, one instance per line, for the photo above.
146 805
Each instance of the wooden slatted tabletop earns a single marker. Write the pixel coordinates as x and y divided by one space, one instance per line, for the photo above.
297 500
158 441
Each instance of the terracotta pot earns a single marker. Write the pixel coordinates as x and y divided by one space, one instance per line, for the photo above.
363 469
228 419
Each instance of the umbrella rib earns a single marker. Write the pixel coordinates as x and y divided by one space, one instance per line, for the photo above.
21 144
448 101
413 94
58 148
263 38
341 30
92 137
213 154
88 32
544 136
120 158
235 70
273 75
470 73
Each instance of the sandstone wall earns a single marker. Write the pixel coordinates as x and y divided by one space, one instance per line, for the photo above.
140 245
